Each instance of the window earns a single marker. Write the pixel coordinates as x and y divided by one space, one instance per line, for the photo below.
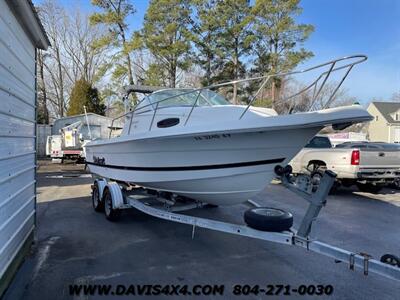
376 118
95 130
397 117
360 146
319 142
182 97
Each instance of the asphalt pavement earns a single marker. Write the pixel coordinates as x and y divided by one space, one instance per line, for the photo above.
76 245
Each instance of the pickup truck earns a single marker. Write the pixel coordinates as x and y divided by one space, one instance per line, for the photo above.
368 165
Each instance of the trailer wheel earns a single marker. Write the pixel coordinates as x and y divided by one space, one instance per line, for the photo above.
369 187
111 213
391 259
268 219
97 203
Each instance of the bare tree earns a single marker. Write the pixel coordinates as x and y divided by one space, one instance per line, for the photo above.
82 58
113 14
71 57
43 111
52 18
294 101
396 97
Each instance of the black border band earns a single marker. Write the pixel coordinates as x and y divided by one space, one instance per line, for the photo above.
193 168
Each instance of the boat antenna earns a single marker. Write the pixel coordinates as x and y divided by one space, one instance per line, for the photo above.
87 123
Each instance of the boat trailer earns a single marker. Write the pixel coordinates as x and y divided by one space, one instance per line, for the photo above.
112 197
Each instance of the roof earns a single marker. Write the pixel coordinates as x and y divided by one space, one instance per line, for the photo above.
27 16
82 115
145 89
386 109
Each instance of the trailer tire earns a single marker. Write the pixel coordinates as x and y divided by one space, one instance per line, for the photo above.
111 213
97 202
391 259
268 219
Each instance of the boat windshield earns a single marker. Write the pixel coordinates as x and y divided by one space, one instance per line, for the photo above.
183 97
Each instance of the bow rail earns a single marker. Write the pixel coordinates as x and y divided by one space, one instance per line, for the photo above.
315 85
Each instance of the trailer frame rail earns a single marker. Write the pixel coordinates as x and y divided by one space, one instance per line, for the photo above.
123 198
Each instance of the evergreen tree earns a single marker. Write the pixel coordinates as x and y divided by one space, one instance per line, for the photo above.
278 38
234 39
167 37
83 94
114 14
155 75
204 35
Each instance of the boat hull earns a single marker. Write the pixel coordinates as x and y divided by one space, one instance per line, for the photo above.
221 169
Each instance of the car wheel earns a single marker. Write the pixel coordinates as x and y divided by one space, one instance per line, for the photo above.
268 219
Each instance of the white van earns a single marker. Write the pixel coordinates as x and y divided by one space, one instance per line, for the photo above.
53 146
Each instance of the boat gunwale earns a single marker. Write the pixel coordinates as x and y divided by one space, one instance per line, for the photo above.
319 123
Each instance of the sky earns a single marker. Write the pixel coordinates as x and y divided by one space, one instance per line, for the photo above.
342 28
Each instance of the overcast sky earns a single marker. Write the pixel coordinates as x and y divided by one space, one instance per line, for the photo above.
342 28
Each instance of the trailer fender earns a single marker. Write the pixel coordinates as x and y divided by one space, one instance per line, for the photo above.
101 183
116 195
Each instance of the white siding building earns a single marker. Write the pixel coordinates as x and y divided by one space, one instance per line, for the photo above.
385 127
20 35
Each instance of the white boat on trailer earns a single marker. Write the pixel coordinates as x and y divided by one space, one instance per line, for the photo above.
194 143
153 172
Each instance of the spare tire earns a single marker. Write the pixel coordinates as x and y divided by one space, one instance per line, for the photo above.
268 219
391 259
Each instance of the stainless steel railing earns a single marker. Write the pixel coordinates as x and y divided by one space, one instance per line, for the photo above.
331 65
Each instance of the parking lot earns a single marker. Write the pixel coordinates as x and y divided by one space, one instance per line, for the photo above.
76 245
